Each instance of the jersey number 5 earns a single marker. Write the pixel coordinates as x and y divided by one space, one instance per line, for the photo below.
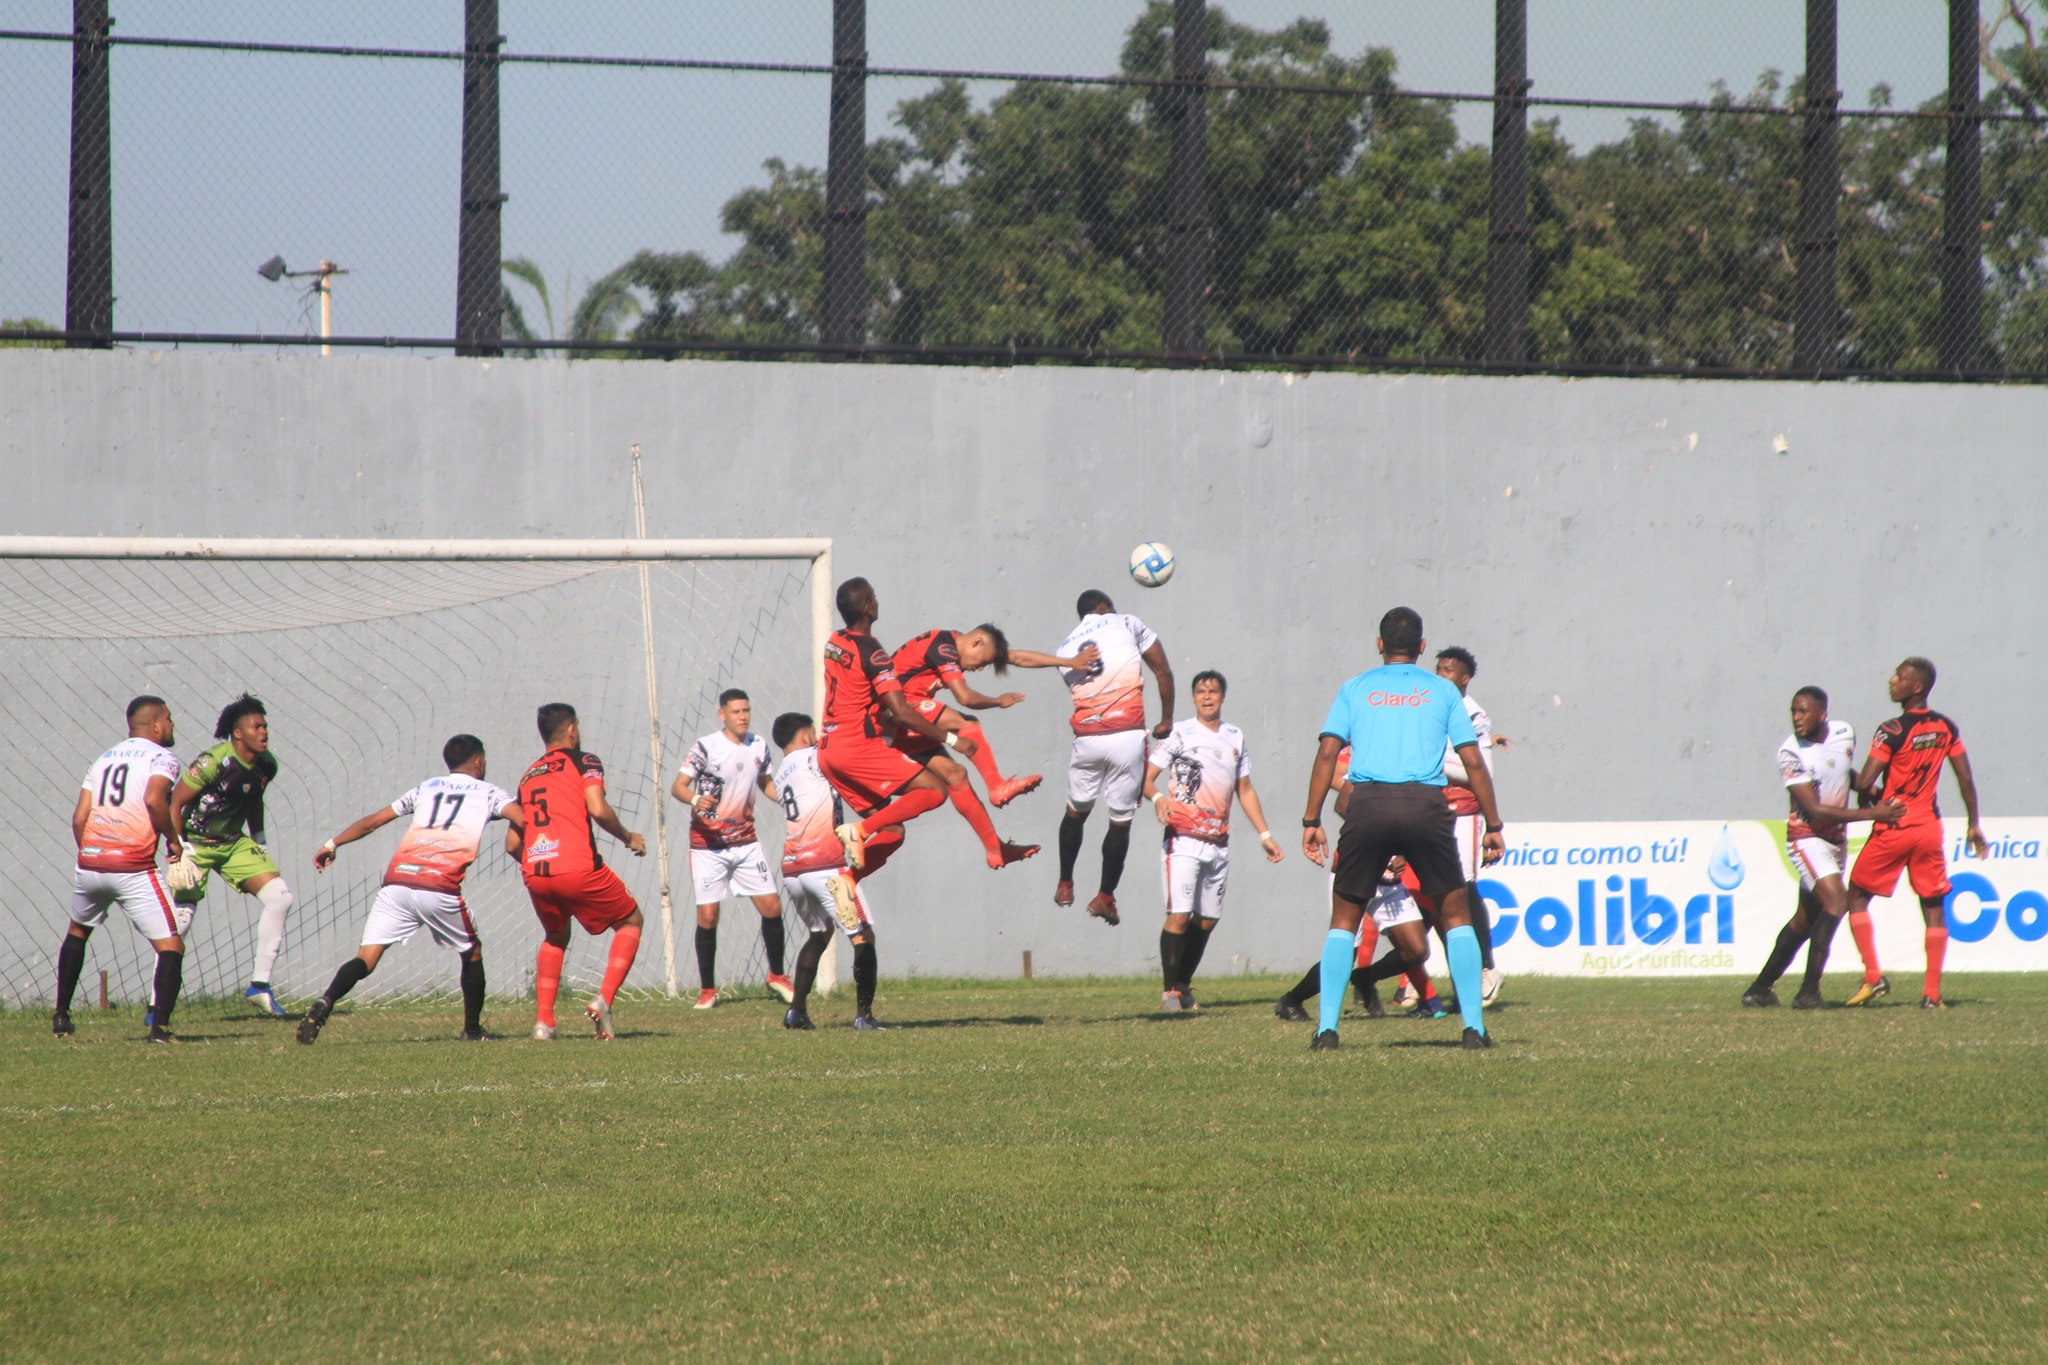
537 808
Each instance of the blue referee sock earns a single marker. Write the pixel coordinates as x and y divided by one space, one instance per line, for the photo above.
1338 950
1461 946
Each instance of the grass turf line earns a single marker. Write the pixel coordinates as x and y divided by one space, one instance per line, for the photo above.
1037 1170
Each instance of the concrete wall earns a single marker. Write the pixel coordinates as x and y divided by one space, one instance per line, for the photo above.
1645 569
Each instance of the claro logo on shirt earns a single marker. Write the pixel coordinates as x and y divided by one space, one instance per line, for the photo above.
1419 697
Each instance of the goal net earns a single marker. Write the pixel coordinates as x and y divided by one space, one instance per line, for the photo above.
368 656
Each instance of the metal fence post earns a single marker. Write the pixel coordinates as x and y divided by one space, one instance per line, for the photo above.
1507 235
1187 194
479 286
89 261
1962 252
1816 313
843 311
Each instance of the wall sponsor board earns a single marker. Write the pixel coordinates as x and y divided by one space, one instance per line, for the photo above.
1697 897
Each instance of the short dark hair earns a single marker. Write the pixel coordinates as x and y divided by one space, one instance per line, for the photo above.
143 703
1819 694
1462 655
1090 600
994 632
460 750
1923 666
1209 675
786 726
849 595
1401 631
733 694
553 719
234 713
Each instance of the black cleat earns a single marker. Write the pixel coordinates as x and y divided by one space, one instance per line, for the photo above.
159 1034
1931 1002
865 1022
1324 1041
469 1035
1808 1000
797 1017
1288 1010
1475 1041
1760 998
316 1015
1370 998
61 1025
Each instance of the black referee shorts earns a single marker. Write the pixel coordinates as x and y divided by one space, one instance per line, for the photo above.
1410 819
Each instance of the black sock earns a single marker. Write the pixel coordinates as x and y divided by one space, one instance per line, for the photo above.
1362 981
1115 845
170 975
1782 953
807 959
864 974
472 995
70 966
1819 939
1482 928
1392 965
1071 828
771 942
1308 988
707 957
1197 943
352 971
1170 948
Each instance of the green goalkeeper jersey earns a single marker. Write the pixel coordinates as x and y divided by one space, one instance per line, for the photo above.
230 795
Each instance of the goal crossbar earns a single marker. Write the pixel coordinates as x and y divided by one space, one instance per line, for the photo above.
286 548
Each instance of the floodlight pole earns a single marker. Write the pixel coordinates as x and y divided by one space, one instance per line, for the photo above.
479 249
1816 313
1962 247
89 269
843 311
1506 338
1185 305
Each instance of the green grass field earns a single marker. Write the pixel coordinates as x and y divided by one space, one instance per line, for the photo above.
1039 1170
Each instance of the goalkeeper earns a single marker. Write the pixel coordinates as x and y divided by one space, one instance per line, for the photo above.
221 796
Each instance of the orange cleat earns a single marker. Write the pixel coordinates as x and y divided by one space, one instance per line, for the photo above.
706 998
783 987
1103 907
1010 788
1063 895
1008 853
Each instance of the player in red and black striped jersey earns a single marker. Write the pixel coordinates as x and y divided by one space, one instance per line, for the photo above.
941 660
1904 765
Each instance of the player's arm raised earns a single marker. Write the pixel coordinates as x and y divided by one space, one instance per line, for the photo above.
1155 659
1084 658
1322 774
1480 778
375 820
1966 781
905 715
964 693
608 820
1248 797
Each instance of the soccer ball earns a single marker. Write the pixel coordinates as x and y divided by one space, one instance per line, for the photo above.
1152 563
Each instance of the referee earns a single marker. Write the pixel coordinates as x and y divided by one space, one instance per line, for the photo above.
1399 719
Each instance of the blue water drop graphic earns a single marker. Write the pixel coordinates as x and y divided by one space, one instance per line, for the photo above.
1725 868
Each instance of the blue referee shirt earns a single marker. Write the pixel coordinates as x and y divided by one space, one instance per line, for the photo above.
1397 719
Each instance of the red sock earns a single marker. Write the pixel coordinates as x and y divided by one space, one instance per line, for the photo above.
961 794
547 982
625 947
1368 943
876 852
1420 980
908 806
1866 942
984 759
1937 949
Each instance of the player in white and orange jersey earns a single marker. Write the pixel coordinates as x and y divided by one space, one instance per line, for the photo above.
718 780
124 807
821 886
1205 766
423 883
1109 737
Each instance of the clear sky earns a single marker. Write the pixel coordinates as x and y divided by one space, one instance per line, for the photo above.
221 160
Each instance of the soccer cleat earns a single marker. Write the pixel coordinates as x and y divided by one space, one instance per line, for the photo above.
1103 907
316 1016
259 995
1169 1002
476 1035
1063 895
61 1025
865 1022
1370 998
1806 1000
1324 1041
1432 1008
1869 991
1290 1011
854 840
1010 788
543 1033
1007 853
599 1012
1489 984
798 1018
1475 1041
149 1016
845 901
1404 995
1187 999
1760 998
1931 1002
783 987
159 1034
706 998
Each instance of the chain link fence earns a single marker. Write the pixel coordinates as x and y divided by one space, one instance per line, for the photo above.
1163 183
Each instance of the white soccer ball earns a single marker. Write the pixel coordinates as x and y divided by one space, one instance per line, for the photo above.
1152 563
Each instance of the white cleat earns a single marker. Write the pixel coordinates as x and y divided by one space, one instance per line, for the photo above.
600 1015
845 901
1405 996
1489 985
854 840
543 1033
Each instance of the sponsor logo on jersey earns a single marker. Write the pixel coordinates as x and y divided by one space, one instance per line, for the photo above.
542 848
1419 697
834 653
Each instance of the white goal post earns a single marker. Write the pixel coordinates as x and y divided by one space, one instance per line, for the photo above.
368 651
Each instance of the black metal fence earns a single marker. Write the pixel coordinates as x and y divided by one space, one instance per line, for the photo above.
1229 196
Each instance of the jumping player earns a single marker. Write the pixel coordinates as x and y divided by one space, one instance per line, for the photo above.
1205 764
423 882
1109 737
944 658
718 780
821 886
562 796
219 808
123 808
1816 761
1907 754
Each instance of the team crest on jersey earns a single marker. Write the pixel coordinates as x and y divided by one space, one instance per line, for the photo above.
879 659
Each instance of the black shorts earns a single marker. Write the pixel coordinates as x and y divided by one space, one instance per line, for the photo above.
1408 818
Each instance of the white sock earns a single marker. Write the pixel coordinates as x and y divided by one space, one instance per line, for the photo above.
277 899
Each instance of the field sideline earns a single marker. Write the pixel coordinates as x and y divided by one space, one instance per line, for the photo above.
1039 1170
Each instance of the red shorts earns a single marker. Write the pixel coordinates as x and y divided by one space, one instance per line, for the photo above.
596 900
911 742
866 771
1912 849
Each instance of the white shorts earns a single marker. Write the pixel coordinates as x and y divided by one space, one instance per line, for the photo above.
142 896
399 912
1196 873
737 871
1392 905
1470 830
812 899
1111 767
1816 859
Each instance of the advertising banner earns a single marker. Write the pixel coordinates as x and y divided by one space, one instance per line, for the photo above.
1700 897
